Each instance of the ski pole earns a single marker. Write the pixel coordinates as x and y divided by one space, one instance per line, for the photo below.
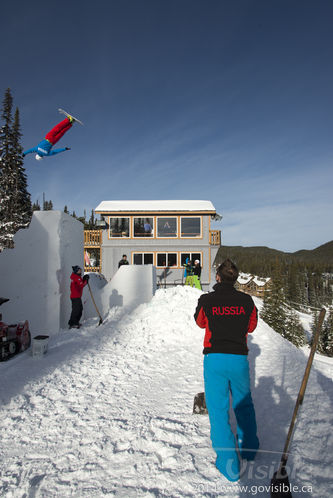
280 479
93 300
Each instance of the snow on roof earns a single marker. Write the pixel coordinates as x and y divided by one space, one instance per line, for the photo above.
244 278
260 281
157 205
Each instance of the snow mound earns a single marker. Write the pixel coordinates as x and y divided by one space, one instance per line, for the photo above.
108 411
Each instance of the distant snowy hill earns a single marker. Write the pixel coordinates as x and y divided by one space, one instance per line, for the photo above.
108 411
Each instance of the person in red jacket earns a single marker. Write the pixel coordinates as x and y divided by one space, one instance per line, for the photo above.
228 316
77 285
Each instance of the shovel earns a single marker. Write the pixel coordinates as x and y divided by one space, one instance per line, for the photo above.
199 405
93 300
280 486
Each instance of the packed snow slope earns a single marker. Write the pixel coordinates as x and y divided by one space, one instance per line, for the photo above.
108 411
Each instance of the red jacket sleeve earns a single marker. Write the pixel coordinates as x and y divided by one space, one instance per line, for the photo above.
201 319
80 282
253 320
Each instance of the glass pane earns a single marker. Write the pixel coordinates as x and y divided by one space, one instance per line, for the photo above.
196 256
172 259
191 227
184 257
167 227
148 259
137 259
143 227
161 259
119 227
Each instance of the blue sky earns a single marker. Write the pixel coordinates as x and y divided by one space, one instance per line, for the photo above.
229 101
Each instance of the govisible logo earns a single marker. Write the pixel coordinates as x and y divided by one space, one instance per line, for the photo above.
228 310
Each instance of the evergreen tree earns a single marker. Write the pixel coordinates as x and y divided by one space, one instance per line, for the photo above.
325 343
294 331
6 186
47 206
66 210
22 206
92 221
36 206
15 203
274 312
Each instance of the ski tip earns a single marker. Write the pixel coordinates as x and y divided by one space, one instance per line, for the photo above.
62 111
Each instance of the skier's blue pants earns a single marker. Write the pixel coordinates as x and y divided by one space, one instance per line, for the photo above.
224 373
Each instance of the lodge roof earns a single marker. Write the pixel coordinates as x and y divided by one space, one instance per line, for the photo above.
156 206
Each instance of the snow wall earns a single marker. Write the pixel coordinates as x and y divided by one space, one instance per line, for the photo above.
131 285
35 275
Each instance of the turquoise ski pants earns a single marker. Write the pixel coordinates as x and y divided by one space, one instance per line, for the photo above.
224 374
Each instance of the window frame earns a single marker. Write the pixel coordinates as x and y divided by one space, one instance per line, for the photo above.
168 237
190 236
190 253
135 237
166 259
143 254
110 237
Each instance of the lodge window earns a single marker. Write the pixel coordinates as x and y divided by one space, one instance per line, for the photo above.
143 227
167 227
119 227
167 259
192 256
140 258
190 226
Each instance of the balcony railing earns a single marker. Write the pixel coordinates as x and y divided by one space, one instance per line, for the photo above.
95 269
92 238
215 237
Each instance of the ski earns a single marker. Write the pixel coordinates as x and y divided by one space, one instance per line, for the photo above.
70 116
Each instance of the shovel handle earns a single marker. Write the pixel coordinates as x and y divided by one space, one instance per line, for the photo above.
93 300
301 393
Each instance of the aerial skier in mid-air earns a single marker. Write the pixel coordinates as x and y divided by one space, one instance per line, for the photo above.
44 148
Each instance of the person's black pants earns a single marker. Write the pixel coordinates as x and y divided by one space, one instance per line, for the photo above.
77 309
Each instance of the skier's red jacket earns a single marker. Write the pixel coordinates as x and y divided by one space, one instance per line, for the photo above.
228 316
77 285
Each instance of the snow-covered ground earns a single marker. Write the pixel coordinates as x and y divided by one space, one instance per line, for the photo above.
108 411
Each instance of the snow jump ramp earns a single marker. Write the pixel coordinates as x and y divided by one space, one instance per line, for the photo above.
131 285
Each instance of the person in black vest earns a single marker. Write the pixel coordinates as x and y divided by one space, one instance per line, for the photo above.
197 274
228 316
123 261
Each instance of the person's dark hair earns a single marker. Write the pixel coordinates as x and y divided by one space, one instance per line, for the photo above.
227 271
124 255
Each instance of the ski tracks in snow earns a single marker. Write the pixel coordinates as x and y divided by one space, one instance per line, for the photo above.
108 411
115 418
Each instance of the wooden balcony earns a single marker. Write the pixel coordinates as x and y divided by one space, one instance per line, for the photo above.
95 269
215 237
92 238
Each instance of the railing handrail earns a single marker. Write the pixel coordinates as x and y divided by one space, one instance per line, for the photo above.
215 237
93 237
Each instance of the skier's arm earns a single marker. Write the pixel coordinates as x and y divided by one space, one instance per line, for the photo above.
30 151
57 151
253 320
200 315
